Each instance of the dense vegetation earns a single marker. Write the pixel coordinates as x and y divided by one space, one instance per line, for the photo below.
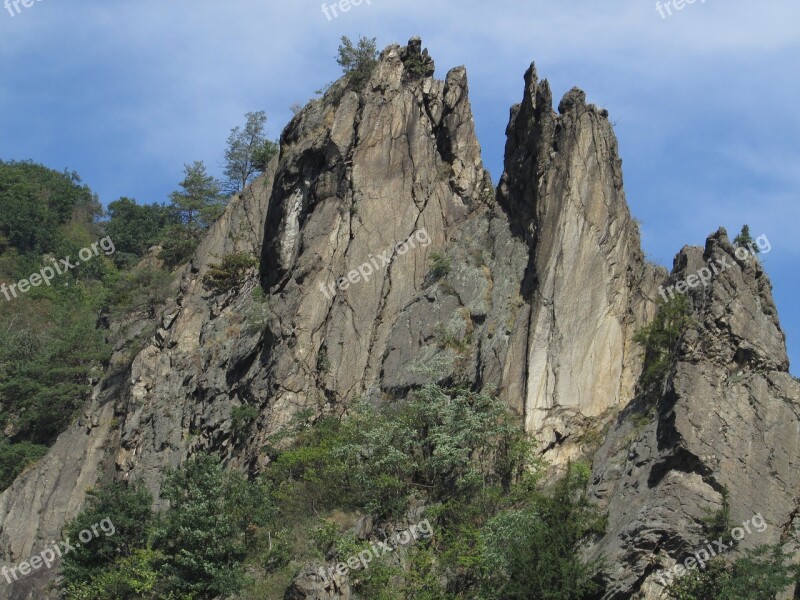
51 350
761 573
455 456
53 342
660 340
195 549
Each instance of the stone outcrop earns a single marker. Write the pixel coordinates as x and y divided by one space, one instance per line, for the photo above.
587 284
387 261
376 179
728 423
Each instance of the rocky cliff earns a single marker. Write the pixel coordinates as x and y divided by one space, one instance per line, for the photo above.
724 429
537 290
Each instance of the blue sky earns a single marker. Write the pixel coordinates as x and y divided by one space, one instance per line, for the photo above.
705 101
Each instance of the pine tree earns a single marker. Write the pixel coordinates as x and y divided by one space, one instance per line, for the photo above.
200 201
745 240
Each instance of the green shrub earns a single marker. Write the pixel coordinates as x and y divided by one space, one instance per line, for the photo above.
139 290
127 507
718 525
230 273
194 549
660 340
761 574
533 552
129 578
358 61
746 241
242 420
440 265
15 457
325 536
203 536
448 441
178 245
415 67
278 551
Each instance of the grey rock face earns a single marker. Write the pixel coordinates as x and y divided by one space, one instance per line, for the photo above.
587 285
375 182
35 508
728 422
310 585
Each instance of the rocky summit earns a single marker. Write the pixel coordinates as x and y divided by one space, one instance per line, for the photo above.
390 261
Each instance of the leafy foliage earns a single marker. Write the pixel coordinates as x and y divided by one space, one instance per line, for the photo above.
48 363
230 273
135 228
178 245
130 578
128 509
141 289
448 441
248 152
660 340
532 552
761 574
194 549
35 201
242 420
15 457
358 61
203 535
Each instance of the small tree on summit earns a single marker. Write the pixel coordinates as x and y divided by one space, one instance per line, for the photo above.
358 61
745 240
